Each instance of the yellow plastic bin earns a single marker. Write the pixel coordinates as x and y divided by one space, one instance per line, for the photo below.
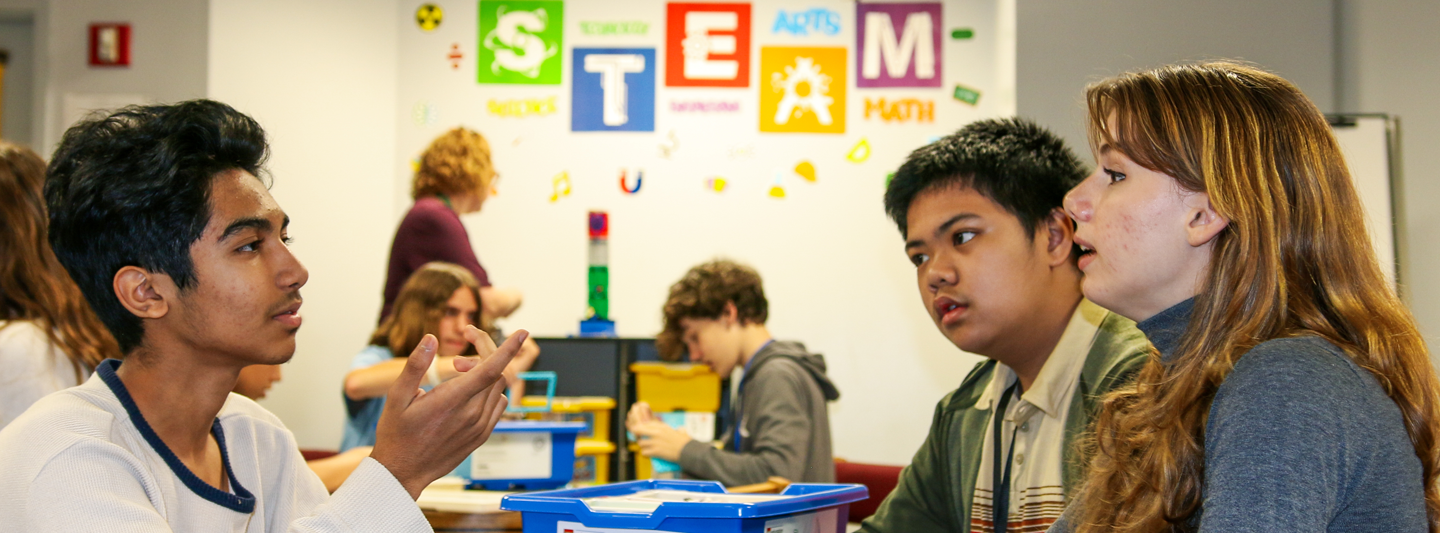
642 463
676 386
592 461
594 411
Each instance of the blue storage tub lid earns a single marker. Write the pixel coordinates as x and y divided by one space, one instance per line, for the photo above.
535 426
803 497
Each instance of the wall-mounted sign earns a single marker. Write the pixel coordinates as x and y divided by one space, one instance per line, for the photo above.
707 45
455 56
804 89
898 45
704 106
626 27
522 107
520 41
968 95
900 109
816 21
613 89
110 44
429 16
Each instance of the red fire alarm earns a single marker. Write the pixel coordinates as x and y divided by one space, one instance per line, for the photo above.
110 44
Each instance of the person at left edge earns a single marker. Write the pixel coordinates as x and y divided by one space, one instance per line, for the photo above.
49 337
159 216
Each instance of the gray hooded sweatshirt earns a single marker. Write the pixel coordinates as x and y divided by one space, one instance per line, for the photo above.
785 423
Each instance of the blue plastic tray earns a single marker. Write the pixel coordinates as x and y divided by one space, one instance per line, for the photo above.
562 457
543 511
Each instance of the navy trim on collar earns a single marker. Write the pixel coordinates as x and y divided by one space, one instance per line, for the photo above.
241 501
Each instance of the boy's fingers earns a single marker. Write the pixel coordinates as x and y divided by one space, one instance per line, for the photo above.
490 370
484 345
403 391
647 429
464 364
472 334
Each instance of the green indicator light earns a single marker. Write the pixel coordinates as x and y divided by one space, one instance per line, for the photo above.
962 33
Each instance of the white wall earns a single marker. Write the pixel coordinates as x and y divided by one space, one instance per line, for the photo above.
17 37
167 54
320 77
1387 65
1066 44
36 12
834 267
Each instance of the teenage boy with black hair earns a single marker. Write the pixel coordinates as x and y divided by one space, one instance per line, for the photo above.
994 260
780 420
159 215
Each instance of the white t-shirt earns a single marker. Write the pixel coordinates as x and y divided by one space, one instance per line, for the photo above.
84 460
30 368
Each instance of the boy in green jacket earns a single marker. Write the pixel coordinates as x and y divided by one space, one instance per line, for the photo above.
995 264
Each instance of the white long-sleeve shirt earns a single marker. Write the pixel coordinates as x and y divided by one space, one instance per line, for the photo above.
84 459
30 367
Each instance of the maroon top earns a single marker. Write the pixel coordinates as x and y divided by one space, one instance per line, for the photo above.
431 231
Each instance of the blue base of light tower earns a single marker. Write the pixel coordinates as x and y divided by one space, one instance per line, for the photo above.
595 327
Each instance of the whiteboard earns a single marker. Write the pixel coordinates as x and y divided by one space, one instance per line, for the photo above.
1366 141
834 267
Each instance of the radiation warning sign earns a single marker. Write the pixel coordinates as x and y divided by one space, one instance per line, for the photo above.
428 16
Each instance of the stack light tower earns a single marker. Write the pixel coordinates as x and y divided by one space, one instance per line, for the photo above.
597 321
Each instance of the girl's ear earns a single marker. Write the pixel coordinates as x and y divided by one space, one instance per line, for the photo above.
1204 222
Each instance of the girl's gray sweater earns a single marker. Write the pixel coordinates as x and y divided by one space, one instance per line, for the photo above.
1299 438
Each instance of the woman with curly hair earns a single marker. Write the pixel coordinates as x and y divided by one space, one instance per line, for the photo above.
454 178
1291 390
50 339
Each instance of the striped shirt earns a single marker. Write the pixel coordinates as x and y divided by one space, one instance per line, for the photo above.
1034 425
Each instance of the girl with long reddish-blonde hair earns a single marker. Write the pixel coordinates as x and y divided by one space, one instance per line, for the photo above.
1291 390
50 339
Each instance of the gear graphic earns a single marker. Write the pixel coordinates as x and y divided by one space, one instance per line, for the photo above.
792 104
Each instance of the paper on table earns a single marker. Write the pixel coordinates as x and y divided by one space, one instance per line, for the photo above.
648 501
444 495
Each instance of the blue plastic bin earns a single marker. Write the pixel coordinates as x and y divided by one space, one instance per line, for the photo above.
515 457
802 508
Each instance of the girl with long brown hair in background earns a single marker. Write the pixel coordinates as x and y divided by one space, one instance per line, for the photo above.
1291 390
440 299
50 339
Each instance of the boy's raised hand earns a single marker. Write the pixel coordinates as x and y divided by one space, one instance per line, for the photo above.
424 435
639 414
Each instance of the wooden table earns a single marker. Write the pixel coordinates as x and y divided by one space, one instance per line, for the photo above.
445 521
451 509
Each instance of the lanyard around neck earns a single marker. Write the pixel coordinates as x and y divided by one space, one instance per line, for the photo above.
740 392
1000 486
